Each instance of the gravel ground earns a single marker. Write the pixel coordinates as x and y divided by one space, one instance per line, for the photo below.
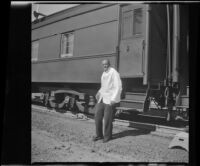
57 138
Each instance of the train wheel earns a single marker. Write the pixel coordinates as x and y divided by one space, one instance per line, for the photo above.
72 104
46 99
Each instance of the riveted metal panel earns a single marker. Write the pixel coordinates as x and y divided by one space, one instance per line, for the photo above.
49 48
132 45
99 39
131 59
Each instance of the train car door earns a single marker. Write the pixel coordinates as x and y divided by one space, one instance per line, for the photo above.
131 59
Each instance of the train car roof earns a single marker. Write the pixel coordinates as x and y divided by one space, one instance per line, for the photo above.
67 13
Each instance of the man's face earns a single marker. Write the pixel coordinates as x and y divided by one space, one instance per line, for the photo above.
105 65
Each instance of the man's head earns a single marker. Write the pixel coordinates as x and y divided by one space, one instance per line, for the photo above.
106 64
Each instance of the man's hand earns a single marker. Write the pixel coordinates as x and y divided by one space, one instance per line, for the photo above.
112 103
97 96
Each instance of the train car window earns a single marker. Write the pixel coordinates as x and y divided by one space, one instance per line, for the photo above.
127 24
132 23
67 44
34 53
137 21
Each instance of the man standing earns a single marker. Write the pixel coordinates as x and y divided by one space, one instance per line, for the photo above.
108 96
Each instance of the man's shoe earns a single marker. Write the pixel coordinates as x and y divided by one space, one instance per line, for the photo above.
106 140
97 138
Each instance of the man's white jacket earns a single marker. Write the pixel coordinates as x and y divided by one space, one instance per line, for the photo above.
111 86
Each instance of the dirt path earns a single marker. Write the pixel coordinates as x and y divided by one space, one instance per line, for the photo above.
56 138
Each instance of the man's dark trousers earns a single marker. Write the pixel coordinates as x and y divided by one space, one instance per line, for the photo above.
106 111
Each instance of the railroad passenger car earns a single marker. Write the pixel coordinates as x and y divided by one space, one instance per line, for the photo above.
147 44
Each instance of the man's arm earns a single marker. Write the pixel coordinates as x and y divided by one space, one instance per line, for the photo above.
117 87
99 92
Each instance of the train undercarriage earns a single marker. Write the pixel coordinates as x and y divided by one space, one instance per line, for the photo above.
162 102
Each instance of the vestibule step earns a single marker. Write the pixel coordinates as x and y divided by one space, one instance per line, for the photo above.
129 109
135 96
182 107
137 104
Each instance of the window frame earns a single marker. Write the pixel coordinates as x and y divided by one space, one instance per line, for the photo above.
35 58
134 23
71 45
132 10
123 24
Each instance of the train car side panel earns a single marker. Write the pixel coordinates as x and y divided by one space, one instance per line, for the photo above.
99 39
95 38
92 18
83 70
49 48
70 12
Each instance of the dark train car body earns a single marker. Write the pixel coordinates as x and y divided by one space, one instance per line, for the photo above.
68 47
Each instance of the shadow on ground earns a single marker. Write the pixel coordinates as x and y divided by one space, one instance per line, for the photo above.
134 132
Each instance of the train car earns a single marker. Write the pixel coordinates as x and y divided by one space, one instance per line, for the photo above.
147 44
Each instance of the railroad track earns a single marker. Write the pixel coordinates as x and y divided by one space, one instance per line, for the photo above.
157 126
